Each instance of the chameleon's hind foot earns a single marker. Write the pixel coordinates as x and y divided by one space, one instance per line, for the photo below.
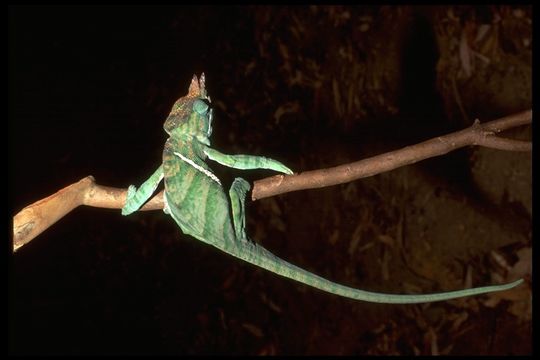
241 187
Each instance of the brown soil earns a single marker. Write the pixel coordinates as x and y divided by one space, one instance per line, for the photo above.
313 87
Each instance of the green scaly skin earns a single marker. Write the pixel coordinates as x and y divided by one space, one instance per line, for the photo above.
195 199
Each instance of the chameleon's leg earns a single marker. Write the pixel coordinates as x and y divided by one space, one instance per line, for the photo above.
246 162
136 198
237 193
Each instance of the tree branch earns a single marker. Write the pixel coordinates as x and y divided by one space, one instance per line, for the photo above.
477 134
37 217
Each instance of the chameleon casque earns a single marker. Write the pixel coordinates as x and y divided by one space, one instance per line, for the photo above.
196 200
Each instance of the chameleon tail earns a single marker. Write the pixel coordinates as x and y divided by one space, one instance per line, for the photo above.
257 255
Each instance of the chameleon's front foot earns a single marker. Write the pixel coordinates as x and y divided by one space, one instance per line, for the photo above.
128 206
288 171
279 167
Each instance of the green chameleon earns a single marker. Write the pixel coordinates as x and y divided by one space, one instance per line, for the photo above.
195 198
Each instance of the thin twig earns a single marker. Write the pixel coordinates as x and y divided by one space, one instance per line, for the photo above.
37 217
477 134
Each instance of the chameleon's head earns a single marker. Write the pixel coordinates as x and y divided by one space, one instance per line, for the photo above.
191 114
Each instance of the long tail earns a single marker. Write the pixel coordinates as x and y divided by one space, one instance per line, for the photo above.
257 255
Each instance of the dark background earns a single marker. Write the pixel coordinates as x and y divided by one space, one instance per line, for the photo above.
314 87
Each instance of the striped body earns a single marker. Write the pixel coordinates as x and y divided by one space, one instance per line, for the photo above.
196 200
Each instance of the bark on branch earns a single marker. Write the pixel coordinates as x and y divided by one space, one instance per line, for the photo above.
477 134
37 217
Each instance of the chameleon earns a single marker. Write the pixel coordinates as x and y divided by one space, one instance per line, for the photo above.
194 197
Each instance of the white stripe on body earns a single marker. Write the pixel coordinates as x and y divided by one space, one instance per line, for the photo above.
198 167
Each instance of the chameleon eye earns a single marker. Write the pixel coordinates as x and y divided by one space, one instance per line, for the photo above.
200 106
